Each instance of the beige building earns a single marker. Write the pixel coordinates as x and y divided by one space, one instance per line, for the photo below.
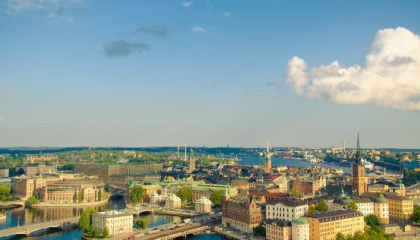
278 230
203 205
4 172
326 225
34 158
115 222
173 201
32 170
300 229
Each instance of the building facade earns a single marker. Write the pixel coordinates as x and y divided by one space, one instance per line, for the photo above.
173 201
278 230
286 209
203 205
326 225
115 222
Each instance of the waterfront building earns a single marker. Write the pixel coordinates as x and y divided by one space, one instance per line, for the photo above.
32 170
240 212
173 201
104 171
158 198
4 172
326 225
203 205
360 181
115 222
286 209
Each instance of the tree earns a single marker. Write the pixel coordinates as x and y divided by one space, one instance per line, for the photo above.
295 192
100 195
352 205
216 197
340 236
107 188
372 220
79 196
142 223
185 194
137 194
311 210
31 201
85 220
105 233
321 206
260 231
415 216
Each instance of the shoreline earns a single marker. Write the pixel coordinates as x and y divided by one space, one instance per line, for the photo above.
42 204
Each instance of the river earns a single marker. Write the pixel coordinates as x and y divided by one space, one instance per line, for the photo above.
287 162
24 215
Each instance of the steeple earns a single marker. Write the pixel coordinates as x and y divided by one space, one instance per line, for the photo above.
267 158
357 158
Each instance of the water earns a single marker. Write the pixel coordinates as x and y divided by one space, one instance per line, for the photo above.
287 162
29 215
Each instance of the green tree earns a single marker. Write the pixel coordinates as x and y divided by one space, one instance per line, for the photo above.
142 223
185 194
31 201
79 196
415 216
352 205
340 236
295 192
107 188
85 220
216 197
321 206
137 194
100 195
259 231
105 233
372 220
311 210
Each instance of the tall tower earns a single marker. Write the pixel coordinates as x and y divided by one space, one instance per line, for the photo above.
267 159
191 163
359 172
225 198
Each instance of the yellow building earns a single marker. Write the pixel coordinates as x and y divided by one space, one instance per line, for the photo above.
278 230
326 225
400 207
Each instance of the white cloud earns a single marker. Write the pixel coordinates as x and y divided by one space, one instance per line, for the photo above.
227 14
1 119
187 4
391 77
40 122
198 29
258 93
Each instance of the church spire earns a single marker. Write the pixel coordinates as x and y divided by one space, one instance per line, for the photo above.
357 158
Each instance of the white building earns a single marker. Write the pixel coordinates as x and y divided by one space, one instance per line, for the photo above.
158 198
382 208
365 206
300 229
115 222
285 209
283 183
173 201
203 205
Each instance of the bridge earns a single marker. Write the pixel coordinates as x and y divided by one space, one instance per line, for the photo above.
139 210
27 229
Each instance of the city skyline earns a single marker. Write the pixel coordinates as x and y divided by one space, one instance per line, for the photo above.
84 73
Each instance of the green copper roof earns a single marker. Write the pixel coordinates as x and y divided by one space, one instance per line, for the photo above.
345 200
300 221
381 199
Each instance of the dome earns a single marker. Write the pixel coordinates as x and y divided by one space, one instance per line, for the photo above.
381 199
345 200
300 221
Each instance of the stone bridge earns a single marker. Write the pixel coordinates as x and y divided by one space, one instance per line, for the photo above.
27 229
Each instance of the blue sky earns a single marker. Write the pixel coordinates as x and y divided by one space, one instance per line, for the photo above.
156 73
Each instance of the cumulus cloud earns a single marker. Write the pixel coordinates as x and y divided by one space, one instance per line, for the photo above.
198 29
155 30
120 48
187 4
227 14
390 77
24 5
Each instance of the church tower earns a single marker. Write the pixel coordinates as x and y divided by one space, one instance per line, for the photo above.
191 163
267 159
359 172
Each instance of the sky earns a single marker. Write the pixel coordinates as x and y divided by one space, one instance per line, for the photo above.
209 73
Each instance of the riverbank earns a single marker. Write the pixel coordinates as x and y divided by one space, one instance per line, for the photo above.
85 204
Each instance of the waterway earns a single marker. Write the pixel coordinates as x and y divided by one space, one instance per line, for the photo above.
25 215
287 162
